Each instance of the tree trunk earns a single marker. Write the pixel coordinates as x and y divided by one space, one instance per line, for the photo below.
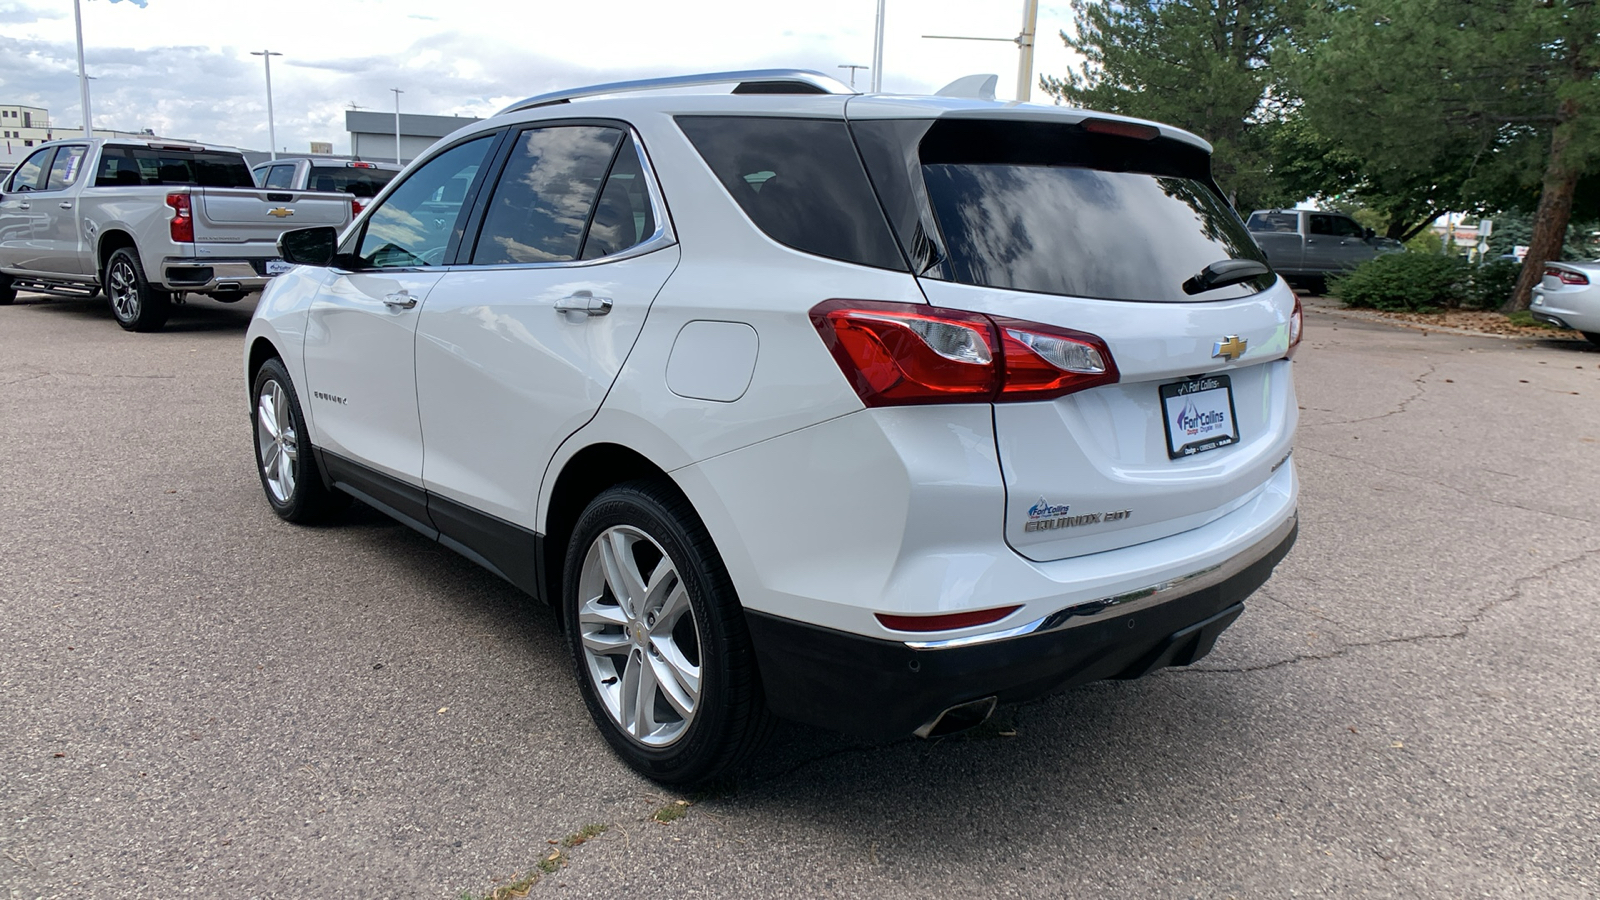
1555 210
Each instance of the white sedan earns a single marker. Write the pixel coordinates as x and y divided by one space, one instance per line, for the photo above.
1569 296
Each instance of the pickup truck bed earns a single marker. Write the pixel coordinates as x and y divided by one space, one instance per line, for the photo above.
147 222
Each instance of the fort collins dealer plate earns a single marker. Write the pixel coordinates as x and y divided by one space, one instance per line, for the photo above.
1199 415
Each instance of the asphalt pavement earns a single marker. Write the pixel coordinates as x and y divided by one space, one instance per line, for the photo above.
197 699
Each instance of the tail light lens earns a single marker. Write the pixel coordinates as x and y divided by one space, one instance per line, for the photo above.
355 208
1297 327
897 354
182 225
1567 276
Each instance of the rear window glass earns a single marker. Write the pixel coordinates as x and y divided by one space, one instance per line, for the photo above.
352 180
1054 209
147 165
800 181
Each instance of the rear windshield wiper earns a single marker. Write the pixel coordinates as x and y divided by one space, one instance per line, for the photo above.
1224 272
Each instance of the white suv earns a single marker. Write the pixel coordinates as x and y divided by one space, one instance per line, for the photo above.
867 411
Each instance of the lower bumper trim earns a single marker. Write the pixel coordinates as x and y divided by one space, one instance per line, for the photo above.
882 690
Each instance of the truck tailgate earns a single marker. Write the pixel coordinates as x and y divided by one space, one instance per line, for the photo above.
248 215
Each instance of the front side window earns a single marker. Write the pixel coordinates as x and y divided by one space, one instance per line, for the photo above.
416 223
30 175
1335 226
64 170
542 202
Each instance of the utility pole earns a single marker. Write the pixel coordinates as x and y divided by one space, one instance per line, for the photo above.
272 129
877 52
83 79
397 93
853 69
1030 24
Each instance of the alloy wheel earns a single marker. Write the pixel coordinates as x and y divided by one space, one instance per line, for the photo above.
280 445
640 638
123 286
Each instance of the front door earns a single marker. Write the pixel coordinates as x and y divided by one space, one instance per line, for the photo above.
56 232
21 209
361 335
520 342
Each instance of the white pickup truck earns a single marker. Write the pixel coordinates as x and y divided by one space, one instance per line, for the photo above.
147 222
1306 246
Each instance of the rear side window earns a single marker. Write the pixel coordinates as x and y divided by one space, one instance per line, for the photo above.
1055 209
1335 226
279 177
542 202
148 165
800 181
356 181
64 170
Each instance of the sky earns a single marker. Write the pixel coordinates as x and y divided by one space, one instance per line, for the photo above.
183 67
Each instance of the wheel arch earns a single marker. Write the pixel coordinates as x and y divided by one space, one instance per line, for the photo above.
112 240
583 476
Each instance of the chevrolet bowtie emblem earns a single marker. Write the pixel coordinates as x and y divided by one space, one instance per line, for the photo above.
280 212
1230 347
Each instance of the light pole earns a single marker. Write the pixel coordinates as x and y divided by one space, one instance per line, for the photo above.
397 93
272 131
877 52
83 80
852 69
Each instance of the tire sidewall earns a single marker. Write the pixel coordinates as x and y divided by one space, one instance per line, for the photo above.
700 748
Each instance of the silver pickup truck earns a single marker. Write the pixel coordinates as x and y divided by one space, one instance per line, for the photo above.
1306 246
147 222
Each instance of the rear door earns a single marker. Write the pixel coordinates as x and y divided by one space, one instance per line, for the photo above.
1100 233
521 340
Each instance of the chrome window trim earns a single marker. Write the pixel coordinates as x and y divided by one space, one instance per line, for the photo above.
664 236
1129 601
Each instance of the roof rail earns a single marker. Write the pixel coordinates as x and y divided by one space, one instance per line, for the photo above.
749 81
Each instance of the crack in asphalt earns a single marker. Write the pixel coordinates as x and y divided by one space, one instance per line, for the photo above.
1422 388
1463 631
1371 465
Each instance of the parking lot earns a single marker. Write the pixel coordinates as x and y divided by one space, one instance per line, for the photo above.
198 699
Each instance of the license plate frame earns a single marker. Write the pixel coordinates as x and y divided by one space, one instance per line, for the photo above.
278 267
1192 414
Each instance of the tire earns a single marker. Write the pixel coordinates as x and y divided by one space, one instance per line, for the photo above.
136 305
284 458
8 294
1593 336
690 629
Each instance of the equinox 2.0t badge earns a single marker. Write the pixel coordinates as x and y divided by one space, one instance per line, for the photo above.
1229 348
1044 517
280 212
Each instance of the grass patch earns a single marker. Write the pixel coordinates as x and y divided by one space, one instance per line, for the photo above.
585 833
672 812
1524 318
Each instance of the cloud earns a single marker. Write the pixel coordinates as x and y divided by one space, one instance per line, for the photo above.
139 3
18 14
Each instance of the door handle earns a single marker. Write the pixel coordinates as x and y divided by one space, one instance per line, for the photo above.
65 204
584 302
400 300
24 205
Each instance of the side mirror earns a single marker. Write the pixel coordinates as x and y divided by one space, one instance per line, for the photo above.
1370 234
309 246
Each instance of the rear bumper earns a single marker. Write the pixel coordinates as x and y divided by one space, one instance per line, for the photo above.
1578 308
204 275
882 689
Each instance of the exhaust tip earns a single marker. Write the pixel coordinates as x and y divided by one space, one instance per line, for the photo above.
958 718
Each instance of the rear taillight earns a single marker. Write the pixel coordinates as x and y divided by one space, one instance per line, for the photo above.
1297 328
355 208
1567 276
182 225
897 354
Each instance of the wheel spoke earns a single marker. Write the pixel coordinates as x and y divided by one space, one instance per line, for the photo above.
594 613
286 474
673 606
604 644
644 702
267 416
269 457
681 689
622 573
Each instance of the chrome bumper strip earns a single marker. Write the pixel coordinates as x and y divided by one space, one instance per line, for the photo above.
1131 601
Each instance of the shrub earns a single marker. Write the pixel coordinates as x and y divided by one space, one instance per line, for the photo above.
1405 282
1493 282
